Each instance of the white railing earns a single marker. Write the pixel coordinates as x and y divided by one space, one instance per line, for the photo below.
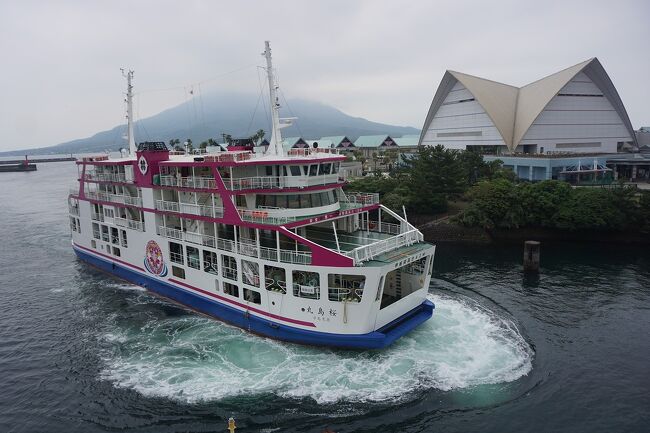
74 210
114 198
200 239
131 224
188 208
286 256
200 182
312 151
368 252
169 206
258 182
247 249
106 177
389 228
271 182
225 245
171 233
96 216
362 198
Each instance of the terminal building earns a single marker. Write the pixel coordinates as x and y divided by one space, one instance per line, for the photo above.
571 121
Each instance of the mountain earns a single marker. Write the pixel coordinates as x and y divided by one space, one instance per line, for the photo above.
210 115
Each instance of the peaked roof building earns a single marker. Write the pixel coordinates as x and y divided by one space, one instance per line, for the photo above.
577 109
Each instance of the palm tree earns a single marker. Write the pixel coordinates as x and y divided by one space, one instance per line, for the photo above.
188 145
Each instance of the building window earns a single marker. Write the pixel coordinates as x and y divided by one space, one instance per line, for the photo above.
252 296
275 279
176 253
178 272
306 284
231 289
229 267
210 262
250 272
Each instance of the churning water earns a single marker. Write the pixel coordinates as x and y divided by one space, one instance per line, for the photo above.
192 358
83 352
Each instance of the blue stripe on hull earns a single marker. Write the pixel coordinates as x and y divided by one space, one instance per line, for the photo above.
373 340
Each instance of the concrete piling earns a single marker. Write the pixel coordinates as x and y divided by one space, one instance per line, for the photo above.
531 256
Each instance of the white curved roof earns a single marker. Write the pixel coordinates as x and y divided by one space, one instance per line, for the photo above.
513 110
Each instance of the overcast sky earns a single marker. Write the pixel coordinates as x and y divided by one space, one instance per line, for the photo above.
381 60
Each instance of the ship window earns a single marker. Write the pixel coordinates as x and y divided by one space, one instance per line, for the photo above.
345 288
316 200
252 296
93 244
193 260
115 236
275 279
231 289
250 272
116 251
281 201
96 234
335 168
105 233
306 284
229 267
295 170
324 168
305 200
293 201
178 272
125 242
176 253
73 224
210 262
313 169
284 171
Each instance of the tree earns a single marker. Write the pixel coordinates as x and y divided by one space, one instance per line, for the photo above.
188 145
174 142
203 145
227 138
435 175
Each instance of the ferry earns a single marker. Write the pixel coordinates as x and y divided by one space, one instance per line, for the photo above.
262 238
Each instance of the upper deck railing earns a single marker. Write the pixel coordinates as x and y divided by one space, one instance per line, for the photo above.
190 208
271 182
114 198
369 252
199 182
107 177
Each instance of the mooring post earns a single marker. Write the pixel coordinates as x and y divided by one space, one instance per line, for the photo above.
531 256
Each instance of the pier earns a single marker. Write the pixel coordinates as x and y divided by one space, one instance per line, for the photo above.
40 160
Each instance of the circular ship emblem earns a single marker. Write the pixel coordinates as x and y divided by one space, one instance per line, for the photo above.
153 259
143 165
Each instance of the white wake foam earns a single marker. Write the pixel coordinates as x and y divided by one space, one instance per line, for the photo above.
196 359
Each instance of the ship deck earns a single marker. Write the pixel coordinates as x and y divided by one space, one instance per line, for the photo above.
347 241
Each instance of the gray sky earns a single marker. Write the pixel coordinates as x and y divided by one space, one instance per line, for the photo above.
381 60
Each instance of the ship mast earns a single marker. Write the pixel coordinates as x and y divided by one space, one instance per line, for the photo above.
275 145
129 111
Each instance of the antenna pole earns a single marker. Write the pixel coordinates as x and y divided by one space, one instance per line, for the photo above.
129 111
275 146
